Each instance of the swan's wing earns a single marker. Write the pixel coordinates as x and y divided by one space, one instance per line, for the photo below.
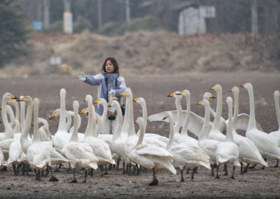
195 122
243 120
160 116
147 149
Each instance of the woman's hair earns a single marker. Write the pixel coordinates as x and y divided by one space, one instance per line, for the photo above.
115 64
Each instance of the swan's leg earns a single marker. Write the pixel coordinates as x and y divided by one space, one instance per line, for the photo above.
110 167
91 172
194 171
4 168
118 163
246 168
155 181
47 171
23 169
69 168
225 169
27 169
241 169
182 177
56 168
129 169
139 170
101 167
217 174
123 168
264 166
212 169
53 178
74 177
85 180
233 169
14 168
188 171
277 163
106 170
18 167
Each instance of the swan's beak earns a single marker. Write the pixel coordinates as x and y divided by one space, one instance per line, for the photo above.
32 124
243 85
135 100
122 94
171 95
231 90
164 117
96 101
180 93
199 103
1 108
85 100
82 111
212 88
21 99
53 116
110 105
13 97
135 121
212 96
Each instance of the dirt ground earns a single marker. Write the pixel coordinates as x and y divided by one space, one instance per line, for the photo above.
254 184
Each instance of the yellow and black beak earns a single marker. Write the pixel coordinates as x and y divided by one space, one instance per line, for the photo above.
1 108
171 95
135 100
243 85
164 117
199 103
83 111
96 101
53 116
21 99
180 93
13 97
212 88
135 121
32 124
110 105
212 96
122 94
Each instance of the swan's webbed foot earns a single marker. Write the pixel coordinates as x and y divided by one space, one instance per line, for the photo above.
53 179
154 182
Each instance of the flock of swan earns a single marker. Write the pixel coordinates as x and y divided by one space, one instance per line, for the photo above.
218 142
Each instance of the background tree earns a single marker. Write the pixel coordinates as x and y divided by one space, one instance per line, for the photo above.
13 33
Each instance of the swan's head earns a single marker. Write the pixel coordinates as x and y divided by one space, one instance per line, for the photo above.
203 102
140 100
100 101
175 95
56 113
114 103
247 86
126 93
25 99
229 100
216 88
276 94
9 96
140 121
88 99
186 93
168 115
235 89
208 96
76 106
62 91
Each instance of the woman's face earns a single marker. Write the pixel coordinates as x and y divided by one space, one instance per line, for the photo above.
109 67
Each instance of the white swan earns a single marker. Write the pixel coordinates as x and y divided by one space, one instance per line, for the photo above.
100 148
79 154
268 147
61 137
227 152
276 134
209 145
215 132
104 129
15 104
189 156
2 159
150 156
248 152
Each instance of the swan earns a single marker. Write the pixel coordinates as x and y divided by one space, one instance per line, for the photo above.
9 132
2 159
141 101
100 148
209 145
227 152
276 134
215 132
61 137
104 129
68 116
190 156
15 104
150 156
79 154
248 152
40 155
267 146
44 130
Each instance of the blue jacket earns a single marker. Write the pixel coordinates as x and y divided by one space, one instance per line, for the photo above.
99 80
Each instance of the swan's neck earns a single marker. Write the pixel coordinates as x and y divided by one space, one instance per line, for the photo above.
9 132
205 128
68 121
186 122
229 136
141 136
252 119
62 122
15 104
276 100
24 135
218 110
131 121
36 137
236 108
144 115
74 136
179 115
104 114
171 134
22 115
88 132
98 126
118 129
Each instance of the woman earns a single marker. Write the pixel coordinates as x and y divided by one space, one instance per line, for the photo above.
109 82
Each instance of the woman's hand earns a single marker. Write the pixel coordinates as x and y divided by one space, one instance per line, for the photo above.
82 77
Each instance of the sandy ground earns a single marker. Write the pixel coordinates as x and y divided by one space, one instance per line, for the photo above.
254 184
